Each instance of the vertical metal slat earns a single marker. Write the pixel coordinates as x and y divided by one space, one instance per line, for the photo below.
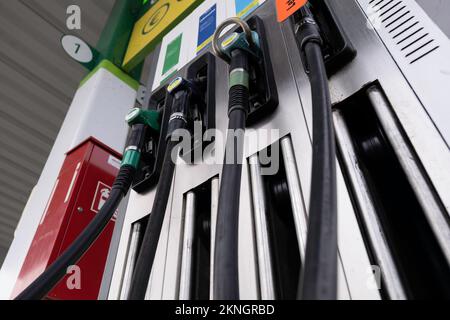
295 192
261 231
215 186
187 249
131 260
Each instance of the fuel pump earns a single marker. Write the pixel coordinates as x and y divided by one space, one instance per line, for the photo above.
140 121
185 94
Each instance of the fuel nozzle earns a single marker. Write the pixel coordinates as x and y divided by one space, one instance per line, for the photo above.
180 84
140 121
150 118
185 93
246 40
238 41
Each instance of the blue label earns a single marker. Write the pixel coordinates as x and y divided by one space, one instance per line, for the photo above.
245 7
207 26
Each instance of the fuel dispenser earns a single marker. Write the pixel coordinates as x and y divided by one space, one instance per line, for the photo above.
353 206
227 237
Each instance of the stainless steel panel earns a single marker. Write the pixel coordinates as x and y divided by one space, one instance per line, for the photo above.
420 50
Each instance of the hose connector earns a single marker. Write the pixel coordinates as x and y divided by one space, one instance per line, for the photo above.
307 30
133 149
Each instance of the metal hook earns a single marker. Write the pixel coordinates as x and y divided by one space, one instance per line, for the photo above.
217 49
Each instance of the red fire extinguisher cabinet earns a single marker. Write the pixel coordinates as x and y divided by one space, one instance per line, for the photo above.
82 187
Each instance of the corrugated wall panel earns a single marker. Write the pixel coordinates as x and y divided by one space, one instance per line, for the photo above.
37 83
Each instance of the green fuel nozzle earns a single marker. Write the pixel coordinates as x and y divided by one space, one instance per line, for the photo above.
150 118
139 120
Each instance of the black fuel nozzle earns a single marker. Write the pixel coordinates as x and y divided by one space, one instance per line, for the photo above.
185 93
307 28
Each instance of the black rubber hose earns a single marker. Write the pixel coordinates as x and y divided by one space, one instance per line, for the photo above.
58 269
319 279
144 262
226 279
226 273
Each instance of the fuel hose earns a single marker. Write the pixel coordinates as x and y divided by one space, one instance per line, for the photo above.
319 273
226 280
235 50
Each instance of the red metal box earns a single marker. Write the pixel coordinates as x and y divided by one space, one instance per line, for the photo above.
82 187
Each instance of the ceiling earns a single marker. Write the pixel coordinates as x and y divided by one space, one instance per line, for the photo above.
37 83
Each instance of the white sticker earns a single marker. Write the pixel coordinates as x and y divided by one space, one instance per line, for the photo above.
101 195
113 161
72 183
77 49
48 202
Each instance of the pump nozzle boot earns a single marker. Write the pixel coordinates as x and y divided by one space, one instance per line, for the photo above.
185 93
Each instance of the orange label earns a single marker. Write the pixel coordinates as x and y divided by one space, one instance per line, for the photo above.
286 8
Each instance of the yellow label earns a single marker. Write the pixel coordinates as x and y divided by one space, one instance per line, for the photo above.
229 40
204 44
156 23
252 5
175 83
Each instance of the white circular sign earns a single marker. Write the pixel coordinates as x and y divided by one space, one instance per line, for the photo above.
77 49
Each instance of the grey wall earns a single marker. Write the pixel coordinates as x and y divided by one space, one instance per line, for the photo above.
37 83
